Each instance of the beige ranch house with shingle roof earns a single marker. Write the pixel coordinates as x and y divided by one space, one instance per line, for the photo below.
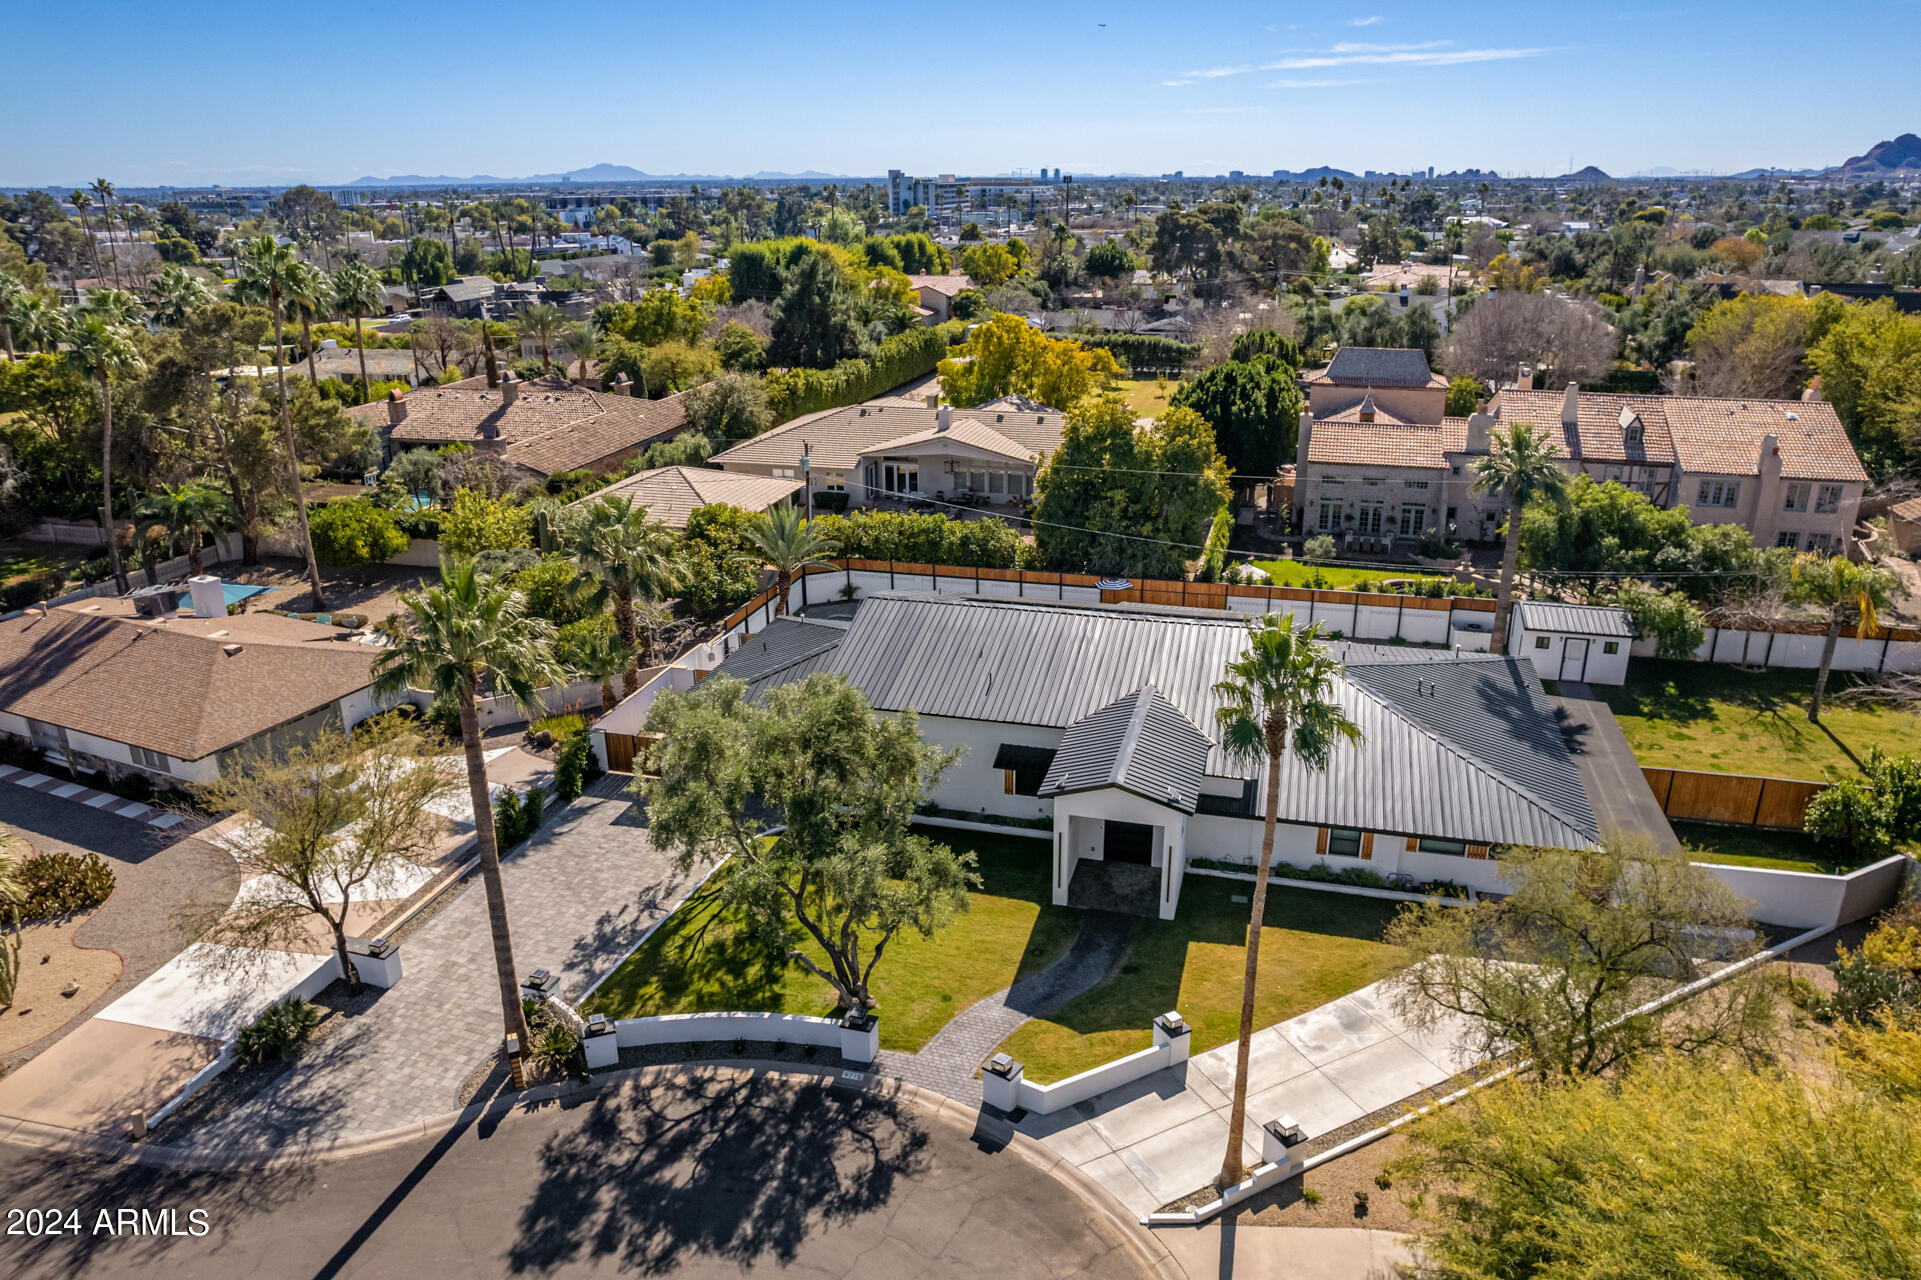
1374 467
901 449
672 494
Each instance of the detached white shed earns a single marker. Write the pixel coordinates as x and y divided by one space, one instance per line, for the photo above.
1572 641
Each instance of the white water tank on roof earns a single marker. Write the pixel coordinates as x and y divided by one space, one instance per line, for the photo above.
209 600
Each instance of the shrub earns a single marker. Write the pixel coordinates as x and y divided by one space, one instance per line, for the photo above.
59 884
1852 815
350 535
1310 1195
1144 352
98 569
419 524
900 358
509 828
556 1049
561 727
570 771
533 810
1318 547
279 1030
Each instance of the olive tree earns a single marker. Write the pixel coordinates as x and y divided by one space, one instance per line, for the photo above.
811 796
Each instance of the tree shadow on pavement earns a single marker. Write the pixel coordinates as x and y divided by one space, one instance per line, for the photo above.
739 1167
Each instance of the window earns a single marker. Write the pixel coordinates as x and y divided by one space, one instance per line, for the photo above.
1719 493
977 481
1452 848
1343 842
1610 646
1450 515
1822 542
997 482
1788 540
1797 499
1828 500
1025 768
1413 520
1330 516
836 482
1370 526
1417 484
1455 469
1372 482
1611 476
152 760
1333 480
1540 642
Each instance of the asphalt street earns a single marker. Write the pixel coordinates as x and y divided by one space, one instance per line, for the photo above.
710 1174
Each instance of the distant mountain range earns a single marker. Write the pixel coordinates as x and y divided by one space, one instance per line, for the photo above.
598 174
1896 155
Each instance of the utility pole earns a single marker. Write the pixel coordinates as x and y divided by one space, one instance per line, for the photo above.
806 479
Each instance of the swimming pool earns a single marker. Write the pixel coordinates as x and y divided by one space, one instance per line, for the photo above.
238 591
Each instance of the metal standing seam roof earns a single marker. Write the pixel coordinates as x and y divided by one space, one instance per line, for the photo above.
1141 743
785 650
1051 665
1578 619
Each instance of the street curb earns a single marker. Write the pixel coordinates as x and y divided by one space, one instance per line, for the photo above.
936 1106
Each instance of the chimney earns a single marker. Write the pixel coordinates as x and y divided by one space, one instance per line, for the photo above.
1301 440
1404 294
1571 406
209 601
1876 275
509 388
623 385
1479 426
933 400
1813 394
396 407
944 417
1366 411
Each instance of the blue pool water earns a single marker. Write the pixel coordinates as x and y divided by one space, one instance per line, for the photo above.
238 591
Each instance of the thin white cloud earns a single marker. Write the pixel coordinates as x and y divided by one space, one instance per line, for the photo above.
1358 46
1314 84
1217 111
1371 21
1216 73
1379 57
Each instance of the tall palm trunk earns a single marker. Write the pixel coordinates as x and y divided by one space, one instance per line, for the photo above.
360 345
306 338
106 483
1827 666
293 463
783 583
93 246
608 700
1233 1167
1510 560
508 976
629 633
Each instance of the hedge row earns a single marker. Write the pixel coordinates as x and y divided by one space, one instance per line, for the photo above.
898 359
1143 350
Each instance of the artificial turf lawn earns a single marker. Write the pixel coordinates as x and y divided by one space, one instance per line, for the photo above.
1759 847
1294 573
702 960
1317 946
1714 718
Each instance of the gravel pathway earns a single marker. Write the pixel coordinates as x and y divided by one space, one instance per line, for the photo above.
156 874
950 1062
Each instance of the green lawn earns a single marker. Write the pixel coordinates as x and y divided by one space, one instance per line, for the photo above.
1758 847
1145 396
1293 573
24 559
1316 947
701 959
1713 718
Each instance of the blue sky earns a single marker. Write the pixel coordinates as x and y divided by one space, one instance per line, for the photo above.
221 91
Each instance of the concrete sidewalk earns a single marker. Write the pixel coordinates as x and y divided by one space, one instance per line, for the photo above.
1222 1249
1163 1136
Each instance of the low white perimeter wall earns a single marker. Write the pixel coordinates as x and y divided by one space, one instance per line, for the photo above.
501 709
1045 1099
1809 900
767 1028
1793 649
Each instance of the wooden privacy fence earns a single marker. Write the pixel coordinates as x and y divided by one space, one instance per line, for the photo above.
625 749
1737 799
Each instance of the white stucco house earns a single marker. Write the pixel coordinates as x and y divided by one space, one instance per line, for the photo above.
1572 641
1101 720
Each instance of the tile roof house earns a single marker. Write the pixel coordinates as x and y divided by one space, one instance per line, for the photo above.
1102 717
1396 380
171 697
672 494
1782 469
936 294
541 426
893 448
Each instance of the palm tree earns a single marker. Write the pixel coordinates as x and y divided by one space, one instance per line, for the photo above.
1848 592
1279 693
104 190
599 655
542 322
37 321
625 558
267 269
175 294
189 512
102 350
115 306
581 342
309 292
789 545
467 628
1520 463
82 202
11 294
357 292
